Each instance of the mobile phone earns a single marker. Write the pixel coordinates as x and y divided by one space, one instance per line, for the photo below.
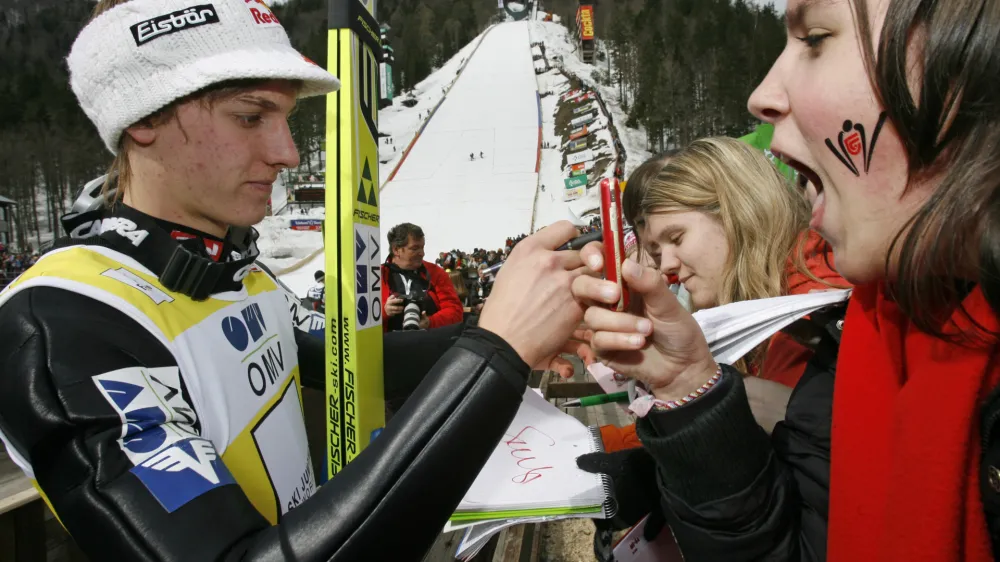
614 239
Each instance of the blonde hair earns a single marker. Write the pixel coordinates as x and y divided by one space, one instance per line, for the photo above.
458 281
638 181
119 171
762 216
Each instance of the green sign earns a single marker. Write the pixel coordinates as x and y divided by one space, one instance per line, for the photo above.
578 173
576 181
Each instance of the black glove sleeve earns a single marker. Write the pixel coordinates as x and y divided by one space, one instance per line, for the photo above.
633 475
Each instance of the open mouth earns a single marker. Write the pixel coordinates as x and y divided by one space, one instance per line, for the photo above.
806 174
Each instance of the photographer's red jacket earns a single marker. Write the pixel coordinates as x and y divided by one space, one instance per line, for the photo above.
439 289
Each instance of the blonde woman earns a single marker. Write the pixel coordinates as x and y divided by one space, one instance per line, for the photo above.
718 219
723 222
637 182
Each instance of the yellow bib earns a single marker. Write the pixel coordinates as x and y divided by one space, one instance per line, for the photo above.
237 357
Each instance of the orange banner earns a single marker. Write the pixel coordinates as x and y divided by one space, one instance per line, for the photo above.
585 15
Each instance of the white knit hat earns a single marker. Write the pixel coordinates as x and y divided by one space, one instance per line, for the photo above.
140 56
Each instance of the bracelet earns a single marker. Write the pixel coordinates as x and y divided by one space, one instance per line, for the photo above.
671 404
642 405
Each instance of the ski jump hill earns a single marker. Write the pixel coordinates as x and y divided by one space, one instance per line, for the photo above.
492 109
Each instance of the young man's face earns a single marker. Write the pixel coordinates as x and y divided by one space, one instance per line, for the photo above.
215 164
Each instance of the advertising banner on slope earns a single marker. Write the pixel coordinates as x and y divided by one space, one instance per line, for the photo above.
574 194
307 224
585 17
585 30
571 94
579 96
578 157
583 109
578 173
578 144
354 384
578 167
387 88
582 120
577 133
577 181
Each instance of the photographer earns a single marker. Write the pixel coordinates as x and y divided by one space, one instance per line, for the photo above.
417 294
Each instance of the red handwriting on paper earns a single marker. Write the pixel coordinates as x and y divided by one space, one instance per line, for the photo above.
520 449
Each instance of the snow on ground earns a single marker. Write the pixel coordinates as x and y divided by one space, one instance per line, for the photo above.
401 123
282 247
279 196
489 105
300 280
549 206
464 200
561 52
558 43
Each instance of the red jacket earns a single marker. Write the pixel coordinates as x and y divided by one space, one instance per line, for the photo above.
440 290
786 358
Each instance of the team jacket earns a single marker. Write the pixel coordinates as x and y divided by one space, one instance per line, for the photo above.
159 427
447 308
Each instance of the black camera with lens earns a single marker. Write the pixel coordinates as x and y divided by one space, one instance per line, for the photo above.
414 303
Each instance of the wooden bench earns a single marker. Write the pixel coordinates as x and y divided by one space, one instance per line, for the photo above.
22 516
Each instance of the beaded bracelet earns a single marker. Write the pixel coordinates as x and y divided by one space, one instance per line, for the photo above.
642 405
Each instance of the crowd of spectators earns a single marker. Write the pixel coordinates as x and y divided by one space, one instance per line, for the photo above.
14 263
466 269
459 260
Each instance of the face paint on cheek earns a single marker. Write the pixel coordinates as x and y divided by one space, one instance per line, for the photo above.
852 141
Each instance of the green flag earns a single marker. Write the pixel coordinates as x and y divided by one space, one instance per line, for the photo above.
760 139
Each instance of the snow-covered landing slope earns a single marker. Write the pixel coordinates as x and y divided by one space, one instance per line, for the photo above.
491 109
282 247
398 123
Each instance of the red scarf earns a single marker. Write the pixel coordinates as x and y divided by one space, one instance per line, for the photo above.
904 479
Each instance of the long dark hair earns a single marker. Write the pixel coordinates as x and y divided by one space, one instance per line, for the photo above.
952 128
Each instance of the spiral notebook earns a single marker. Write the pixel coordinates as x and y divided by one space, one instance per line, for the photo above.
532 472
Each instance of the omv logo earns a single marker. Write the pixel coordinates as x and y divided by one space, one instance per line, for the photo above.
250 326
